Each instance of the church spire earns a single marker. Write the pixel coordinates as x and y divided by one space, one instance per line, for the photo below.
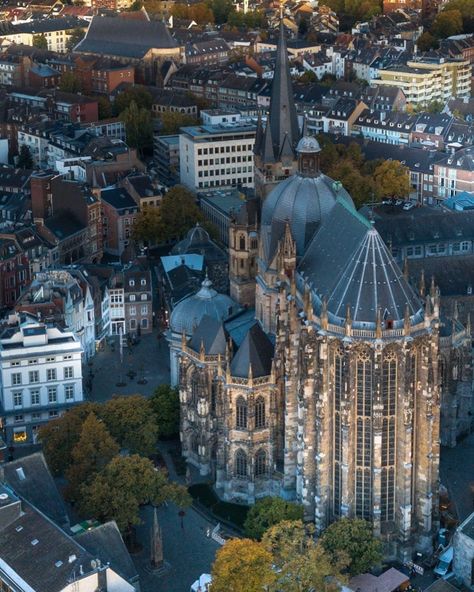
283 118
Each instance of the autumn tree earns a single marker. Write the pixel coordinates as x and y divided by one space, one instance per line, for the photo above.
267 512
105 108
354 538
136 94
25 159
76 36
40 41
391 179
300 562
221 9
94 450
70 83
131 422
447 23
59 436
147 226
138 127
171 122
466 9
165 405
242 565
124 485
426 41
178 212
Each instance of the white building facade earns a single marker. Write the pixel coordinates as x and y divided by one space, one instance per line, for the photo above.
40 377
217 155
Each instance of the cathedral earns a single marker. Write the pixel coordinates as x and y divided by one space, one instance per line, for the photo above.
320 379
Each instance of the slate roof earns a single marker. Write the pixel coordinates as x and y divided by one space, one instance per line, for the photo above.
63 225
454 279
256 350
198 241
118 197
105 541
48 564
48 25
123 37
348 263
31 479
211 334
422 225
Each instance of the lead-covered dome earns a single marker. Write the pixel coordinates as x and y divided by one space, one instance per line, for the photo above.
187 315
304 202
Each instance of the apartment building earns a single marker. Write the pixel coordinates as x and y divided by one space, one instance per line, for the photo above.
40 376
217 155
56 31
426 80
455 174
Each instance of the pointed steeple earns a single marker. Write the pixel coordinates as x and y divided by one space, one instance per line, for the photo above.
156 543
282 103
257 147
268 154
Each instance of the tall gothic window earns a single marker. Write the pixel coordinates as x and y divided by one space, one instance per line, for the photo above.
260 413
194 389
389 400
240 464
338 385
213 397
260 463
363 484
241 414
242 242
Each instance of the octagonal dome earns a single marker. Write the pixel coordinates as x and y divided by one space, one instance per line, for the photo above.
187 315
302 201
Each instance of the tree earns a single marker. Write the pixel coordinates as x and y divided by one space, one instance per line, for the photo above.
301 563
165 405
147 226
466 9
60 435
179 212
427 41
105 108
74 38
447 23
392 179
124 485
269 511
173 121
136 94
307 77
131 423
242 565
25 159
70 83
94 450
138 127
355 538
40 41
221 9
359 187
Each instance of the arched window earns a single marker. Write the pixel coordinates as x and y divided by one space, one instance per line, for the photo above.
260 413
240 464
260 463
241 415
242 242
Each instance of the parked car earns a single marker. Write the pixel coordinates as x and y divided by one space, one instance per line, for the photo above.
399 202
408 205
